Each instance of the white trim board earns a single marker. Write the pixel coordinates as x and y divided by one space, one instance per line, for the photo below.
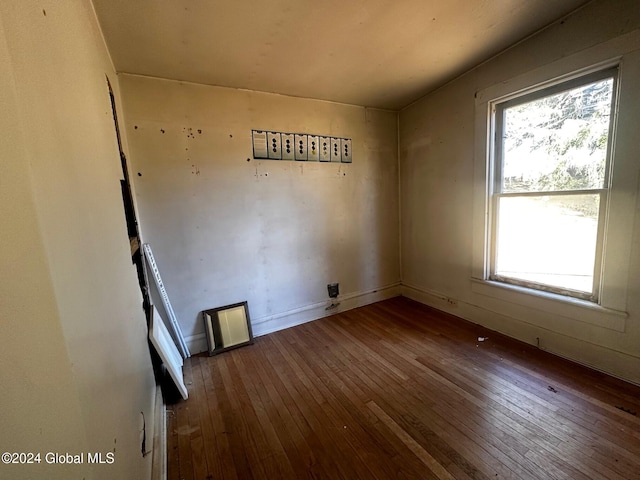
166 349
175 327
307 313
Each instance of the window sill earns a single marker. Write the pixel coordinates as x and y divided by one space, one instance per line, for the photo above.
573 308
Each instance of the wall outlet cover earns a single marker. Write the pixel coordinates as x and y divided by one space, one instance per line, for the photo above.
313 148
288 146
301 147
345 144
259 138
336 150
273 143
325 149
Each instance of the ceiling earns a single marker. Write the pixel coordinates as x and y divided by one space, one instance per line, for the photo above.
375 53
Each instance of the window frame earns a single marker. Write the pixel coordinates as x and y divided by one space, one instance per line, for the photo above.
545 309
495 179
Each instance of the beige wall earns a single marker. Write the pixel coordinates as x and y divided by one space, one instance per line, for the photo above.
75 366
75 363
226 228
437 193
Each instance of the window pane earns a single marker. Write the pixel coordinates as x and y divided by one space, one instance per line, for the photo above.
549 240
558 142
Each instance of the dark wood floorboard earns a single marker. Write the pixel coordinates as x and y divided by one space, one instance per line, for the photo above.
396 390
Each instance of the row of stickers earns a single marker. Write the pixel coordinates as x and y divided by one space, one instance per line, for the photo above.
301 147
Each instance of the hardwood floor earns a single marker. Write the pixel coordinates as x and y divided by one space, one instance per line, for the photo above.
397 390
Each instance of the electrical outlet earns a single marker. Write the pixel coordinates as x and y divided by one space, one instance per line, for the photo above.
345 143
288 146
313 148
335 150
273 142
301 147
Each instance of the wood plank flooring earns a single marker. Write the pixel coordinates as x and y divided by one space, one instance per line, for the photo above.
397 390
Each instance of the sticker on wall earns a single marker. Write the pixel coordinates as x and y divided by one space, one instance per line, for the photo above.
259 144
301 147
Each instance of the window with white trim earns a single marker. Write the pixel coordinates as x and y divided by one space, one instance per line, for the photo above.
549 177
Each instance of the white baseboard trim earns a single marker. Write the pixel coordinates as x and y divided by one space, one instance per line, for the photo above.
159 463
612 362
307 313
197 343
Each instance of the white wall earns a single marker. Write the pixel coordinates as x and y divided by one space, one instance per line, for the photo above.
75 365
437 188
226 228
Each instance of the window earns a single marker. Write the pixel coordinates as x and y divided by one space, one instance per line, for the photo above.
549 185
554 204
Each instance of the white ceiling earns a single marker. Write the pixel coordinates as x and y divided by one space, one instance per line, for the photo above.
376 53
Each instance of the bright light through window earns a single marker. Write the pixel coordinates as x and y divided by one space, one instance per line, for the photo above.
550 186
